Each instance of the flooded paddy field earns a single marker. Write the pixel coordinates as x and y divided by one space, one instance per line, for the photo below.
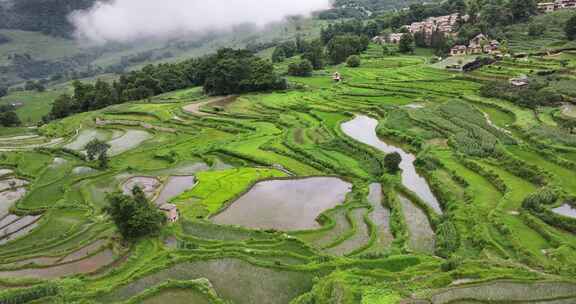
285 204
380 216
84 266
232 279
565 210
363 129
422 237
503 291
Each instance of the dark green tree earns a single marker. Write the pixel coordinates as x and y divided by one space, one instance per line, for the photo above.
9 119
392 162
354 61
303 68
95 148
570 28
103 161
278 55
135 216
62 107
341 47
3 92
406 44
314 53
521 10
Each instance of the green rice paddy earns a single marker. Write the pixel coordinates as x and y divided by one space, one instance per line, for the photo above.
280 202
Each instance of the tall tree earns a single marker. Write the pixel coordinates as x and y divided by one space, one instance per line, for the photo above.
570 28
521 10
406 44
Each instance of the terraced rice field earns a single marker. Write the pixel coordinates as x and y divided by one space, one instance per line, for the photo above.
284 197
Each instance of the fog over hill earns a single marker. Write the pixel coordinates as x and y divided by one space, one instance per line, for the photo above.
129 20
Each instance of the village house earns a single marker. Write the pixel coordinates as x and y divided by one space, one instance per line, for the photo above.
477 45
443 24
171 212
548 7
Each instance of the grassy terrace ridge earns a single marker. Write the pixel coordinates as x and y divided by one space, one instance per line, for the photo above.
497 170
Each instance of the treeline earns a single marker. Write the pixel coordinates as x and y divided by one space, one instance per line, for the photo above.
226 72
336 44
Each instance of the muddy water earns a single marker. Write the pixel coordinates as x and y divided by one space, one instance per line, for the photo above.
84 251
84 137
380 216
360 238
5 172
8 198
177 296
130 140
565 210
85 266
363 129
10 183
175 186
19 234
285 204
422 237
234 280
507 292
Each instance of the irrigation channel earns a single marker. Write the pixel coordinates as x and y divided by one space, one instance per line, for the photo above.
363 129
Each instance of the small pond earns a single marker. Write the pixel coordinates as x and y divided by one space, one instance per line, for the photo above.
363 129
565 210
285 204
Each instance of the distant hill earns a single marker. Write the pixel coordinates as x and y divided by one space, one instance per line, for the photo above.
46 16
365 8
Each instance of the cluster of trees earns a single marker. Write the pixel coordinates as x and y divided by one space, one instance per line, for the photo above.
226 72
38 86
8 117
303 68
351 27
537 93
337 43
135 216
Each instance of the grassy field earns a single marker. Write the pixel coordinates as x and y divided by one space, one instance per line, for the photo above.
496 169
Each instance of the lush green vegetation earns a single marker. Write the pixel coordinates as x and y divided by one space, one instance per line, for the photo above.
470 211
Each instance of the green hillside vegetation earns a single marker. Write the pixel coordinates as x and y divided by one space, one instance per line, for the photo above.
495 188
407 182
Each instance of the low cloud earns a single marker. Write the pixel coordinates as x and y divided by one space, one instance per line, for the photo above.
129 20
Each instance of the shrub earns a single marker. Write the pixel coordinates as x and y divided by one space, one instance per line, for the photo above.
353 61
392 162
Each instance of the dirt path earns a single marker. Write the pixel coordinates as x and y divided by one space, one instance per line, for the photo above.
195 108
